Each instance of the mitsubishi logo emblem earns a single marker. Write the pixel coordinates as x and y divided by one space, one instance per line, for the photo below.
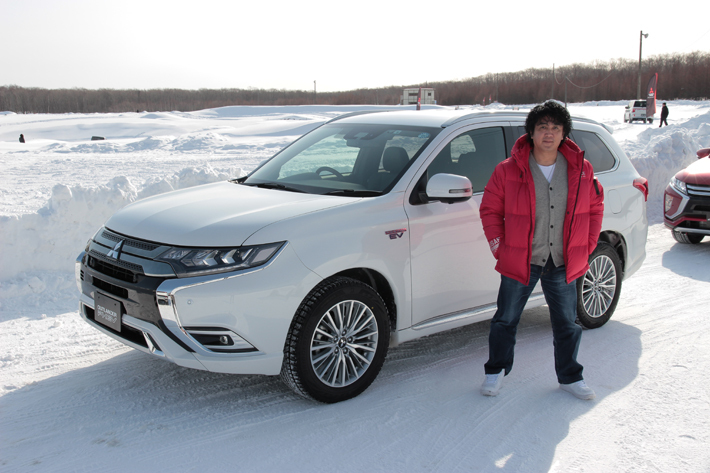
116 252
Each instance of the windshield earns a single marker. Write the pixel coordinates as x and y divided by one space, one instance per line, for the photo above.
364 160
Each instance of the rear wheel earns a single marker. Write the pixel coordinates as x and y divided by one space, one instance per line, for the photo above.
337 342
692 238
599 289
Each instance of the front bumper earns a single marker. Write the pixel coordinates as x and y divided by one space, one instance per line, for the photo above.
229 323
687 213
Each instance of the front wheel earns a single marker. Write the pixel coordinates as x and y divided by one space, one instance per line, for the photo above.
599 289
691 238
337 342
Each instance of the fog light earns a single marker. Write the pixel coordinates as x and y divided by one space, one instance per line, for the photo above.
224 340
669 202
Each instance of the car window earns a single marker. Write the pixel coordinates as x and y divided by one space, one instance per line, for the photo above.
595 151
473 154
640 103
352 158
332 149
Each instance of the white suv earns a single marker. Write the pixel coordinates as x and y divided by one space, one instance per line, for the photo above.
636 110
361 235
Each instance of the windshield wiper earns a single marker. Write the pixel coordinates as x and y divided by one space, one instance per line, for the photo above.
273 185
354 193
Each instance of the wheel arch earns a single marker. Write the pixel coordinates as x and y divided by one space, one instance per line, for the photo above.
380 284
617 241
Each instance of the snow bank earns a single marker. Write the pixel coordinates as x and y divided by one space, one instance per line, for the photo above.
50 239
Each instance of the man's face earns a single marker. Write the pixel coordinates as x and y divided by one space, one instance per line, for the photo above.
547 135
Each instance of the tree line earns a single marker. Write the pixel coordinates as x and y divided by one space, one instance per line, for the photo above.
680 76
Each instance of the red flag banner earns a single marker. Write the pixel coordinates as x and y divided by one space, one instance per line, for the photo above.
651 96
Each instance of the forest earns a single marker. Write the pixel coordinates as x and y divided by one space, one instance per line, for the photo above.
680 76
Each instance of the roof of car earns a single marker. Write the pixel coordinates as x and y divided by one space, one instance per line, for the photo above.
439 117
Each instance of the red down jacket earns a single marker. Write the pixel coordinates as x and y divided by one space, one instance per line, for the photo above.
508 212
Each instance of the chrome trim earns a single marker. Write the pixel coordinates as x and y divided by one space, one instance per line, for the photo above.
165 298
684 199
691 230
238 343
703 191
466 314
77 269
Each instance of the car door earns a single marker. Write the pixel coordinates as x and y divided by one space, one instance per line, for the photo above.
451 264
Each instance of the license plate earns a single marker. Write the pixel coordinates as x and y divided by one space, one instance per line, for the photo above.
107 311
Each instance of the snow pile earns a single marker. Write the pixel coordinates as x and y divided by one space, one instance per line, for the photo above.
51 238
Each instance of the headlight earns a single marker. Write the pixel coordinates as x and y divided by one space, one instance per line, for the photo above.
198 261
679 185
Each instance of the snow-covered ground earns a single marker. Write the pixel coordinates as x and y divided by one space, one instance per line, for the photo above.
72 399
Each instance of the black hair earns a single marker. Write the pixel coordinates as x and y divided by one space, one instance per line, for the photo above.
553 111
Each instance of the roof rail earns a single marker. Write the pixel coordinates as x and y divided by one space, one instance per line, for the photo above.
354 114
482 114
513 113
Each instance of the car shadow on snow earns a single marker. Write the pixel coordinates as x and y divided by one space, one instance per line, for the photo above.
423 413
690 261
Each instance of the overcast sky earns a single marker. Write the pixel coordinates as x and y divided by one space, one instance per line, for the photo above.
342 45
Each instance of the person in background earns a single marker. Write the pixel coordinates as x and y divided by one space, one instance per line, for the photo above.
22 138
541 213
664 115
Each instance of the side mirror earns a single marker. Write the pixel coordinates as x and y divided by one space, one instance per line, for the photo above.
449 188
702 153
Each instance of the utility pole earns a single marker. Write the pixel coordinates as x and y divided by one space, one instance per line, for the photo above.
638 89
314 92
552 92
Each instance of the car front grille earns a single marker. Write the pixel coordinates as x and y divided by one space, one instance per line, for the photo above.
701 191
110 288
120 270
142 245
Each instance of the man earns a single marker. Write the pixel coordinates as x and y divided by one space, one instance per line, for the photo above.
664 115
542 214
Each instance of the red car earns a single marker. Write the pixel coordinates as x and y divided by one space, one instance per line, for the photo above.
687 201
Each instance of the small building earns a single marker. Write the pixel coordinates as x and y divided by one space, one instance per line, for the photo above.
411 96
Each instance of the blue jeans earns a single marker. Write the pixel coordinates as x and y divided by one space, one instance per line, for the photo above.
562 301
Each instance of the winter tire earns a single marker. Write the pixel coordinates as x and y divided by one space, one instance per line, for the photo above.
599 289
688 238
337 342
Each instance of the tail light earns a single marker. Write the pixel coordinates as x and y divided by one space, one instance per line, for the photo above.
641 183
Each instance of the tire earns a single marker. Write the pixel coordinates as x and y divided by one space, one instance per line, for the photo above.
688 238
599 289
337 342
644 120
650 120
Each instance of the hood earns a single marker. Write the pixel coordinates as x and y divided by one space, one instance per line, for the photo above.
214 215
697 173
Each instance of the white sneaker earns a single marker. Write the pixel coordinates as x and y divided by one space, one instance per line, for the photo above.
492 384
579 389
